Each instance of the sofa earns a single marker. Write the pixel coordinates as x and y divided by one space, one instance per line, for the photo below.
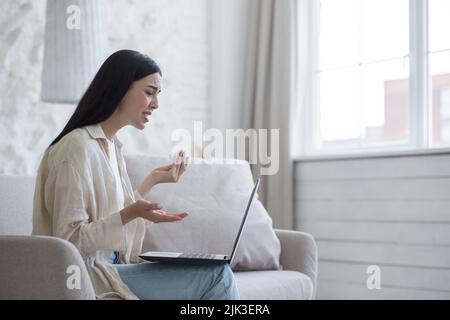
36 267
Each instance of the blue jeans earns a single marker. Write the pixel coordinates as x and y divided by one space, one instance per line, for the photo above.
167 281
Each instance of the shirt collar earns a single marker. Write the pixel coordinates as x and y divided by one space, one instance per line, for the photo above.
96 132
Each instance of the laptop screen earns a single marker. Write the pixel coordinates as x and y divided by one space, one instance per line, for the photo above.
236 242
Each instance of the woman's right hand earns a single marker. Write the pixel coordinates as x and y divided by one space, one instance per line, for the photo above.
150 211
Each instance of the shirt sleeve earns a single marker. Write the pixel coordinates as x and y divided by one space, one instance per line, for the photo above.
137 195
68 202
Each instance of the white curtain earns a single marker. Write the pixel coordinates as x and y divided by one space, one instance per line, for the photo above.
306 64
271 95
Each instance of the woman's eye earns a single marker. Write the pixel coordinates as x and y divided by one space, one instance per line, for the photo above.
149 93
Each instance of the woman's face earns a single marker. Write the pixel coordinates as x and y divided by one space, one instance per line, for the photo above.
140 101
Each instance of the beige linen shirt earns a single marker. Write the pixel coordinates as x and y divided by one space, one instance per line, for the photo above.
76 199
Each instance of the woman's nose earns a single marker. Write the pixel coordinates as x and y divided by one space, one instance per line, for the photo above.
154 103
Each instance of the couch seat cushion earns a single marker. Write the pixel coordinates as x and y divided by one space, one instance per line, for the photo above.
274 285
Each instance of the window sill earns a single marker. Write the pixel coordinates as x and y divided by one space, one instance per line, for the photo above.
372 154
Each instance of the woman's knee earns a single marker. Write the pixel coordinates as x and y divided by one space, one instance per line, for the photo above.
228 280
226 272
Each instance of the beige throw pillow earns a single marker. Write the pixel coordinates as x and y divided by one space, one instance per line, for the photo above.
215 196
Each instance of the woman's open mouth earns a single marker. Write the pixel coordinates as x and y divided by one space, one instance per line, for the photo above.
146 114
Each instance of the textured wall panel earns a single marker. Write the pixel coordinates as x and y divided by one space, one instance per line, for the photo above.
173 32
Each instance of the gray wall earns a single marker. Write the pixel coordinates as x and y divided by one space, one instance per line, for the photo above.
393 212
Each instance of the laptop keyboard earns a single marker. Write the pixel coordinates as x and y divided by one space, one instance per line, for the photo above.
197 255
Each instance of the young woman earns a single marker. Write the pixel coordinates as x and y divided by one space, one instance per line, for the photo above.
83 193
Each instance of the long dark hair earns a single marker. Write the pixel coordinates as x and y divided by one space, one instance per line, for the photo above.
109 86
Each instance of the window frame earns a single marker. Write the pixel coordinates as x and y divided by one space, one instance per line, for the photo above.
420 126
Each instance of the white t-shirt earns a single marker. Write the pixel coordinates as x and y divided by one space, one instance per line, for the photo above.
115 167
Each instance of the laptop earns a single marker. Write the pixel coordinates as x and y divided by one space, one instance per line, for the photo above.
201 258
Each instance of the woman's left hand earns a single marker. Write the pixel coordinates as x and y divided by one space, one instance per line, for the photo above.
166 174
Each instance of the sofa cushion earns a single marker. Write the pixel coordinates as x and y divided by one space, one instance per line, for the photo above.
215 195
274 285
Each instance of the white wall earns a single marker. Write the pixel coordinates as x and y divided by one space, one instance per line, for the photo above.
228 58
393 212
174 32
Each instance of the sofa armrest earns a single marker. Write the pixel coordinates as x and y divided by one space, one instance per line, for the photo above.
36 267
298 252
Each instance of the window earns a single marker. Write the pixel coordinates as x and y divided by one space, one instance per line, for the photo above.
439 66
380 75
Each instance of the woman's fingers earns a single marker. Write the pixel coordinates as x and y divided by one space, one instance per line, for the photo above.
181 214
175 169
180 164
153 206
166 168
183 165
178 170
161 216
179 158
